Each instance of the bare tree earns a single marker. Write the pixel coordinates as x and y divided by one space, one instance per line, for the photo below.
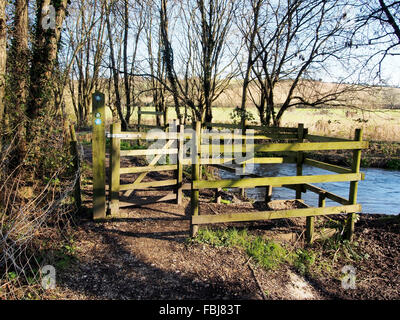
295 41
156 64
85 32
376 29
168 57
205 59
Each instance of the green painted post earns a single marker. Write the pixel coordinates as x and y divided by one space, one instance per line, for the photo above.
195 176
300 160
179 178
115 167
99 155
351 217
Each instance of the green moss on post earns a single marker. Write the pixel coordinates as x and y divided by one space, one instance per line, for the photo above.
99 155
354 186
115 168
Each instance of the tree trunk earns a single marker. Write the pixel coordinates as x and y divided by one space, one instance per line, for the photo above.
44 57
168 57
126 75
250 62
3 60
124 125
19 73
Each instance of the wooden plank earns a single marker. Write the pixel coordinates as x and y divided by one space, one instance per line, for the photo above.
233 136
167 135
269 215
115 169
230 135
145 185
151 126
99 156
148 169
329 195
147 152
223 125
275 181
155 113
273 129
142 202
312 146
276 147
326 166
126 136
316 138
270 160
253 127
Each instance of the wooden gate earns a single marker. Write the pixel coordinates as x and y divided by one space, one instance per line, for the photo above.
171 148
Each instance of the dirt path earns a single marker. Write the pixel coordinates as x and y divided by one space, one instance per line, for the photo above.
146 256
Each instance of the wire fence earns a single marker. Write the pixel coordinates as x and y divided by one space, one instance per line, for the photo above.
36 212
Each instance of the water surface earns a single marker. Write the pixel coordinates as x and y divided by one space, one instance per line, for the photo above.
378 193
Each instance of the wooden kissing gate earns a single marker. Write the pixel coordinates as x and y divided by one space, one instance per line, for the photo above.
206 149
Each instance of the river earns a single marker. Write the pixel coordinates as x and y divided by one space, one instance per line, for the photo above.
378 193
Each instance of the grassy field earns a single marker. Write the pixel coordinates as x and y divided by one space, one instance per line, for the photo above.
380 125
368 110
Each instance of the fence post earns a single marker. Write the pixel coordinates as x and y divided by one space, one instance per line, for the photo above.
115 168
310 221
195 176
354 186
268 194
300 160
179 172
99 154
77 168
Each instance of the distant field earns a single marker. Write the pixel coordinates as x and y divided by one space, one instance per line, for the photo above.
381 124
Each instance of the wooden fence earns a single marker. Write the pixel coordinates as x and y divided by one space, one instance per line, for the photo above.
206 149
292 152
